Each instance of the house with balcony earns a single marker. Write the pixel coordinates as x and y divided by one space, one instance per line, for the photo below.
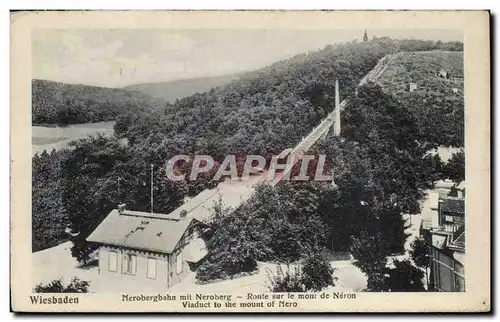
451 211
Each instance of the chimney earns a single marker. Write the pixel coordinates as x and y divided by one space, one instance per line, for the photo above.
183 214
121 208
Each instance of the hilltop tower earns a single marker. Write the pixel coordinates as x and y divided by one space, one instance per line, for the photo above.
336 124
365 37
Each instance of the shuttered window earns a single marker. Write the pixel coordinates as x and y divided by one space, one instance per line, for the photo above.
151 267
179 263
113 261
129 264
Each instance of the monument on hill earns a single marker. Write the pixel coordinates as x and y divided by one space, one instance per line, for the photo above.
336 124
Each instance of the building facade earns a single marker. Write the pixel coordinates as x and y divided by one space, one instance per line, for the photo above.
444 231
147 248
447 273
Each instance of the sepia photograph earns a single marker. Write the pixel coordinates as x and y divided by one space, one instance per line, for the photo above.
247 169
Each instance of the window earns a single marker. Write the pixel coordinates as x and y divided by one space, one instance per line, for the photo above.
113 261
179 263
129 264
449 218
151 268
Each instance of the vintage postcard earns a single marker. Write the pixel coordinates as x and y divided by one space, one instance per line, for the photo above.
239 161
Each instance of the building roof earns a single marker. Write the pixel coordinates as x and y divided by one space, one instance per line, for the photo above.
444 184
232 193
195 250
457 240
438 241
454 205
140 230
461 186
162 232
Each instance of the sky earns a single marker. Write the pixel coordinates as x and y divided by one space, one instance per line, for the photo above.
121 57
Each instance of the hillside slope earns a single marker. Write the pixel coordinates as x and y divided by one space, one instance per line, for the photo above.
59 103
170 91
421 68
264 111
437 101
269 109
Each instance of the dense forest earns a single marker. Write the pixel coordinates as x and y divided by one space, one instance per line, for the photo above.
48 214
63 104
266 110
382 168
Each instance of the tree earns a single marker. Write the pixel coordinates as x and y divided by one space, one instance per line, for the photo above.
392 226
420 254
63 104
382 159
56 286
370 254
49 218
81 249
313 274
404 277
455 168
317 273
232 249
268 109
276 224
382 167
397 161
100 173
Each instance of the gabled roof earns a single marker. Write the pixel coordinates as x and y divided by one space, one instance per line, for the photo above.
162 232
195 250
140 230
453 205
438 241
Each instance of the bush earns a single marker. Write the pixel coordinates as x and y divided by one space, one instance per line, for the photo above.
81 249
405 278
227 267
56 286
312 275
289 281
317 273
420 254
455 168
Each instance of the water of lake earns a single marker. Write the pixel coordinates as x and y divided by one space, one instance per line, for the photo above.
48 138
